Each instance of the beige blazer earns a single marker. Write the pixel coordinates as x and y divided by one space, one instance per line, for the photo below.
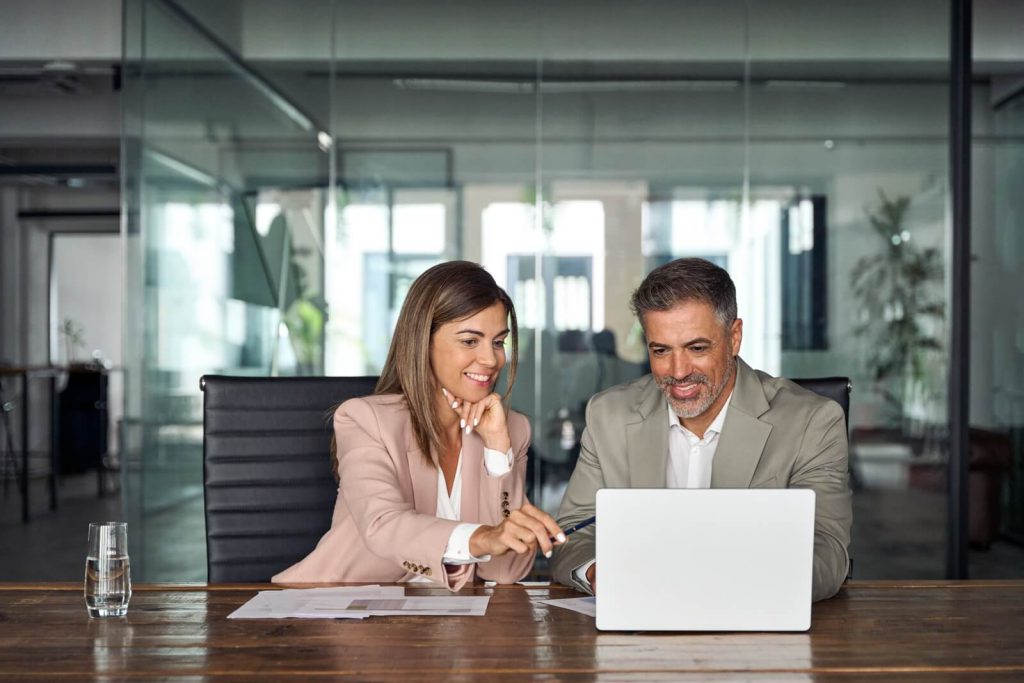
385 527
776 435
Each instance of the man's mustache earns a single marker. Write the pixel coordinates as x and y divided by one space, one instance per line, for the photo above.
692 378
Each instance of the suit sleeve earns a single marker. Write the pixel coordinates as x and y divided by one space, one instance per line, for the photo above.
386 520
578 504
824 467
510 567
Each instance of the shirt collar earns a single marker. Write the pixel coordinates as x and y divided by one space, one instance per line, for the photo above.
715 426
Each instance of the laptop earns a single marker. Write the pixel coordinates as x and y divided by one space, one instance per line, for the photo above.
704 559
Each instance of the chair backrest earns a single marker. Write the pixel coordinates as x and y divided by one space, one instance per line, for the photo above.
836 388
269 489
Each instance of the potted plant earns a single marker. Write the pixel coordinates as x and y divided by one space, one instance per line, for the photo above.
901 312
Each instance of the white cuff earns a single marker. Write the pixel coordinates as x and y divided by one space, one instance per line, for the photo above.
498 464
580 574
457 550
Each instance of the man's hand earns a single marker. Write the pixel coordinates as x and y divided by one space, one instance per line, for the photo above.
592 577
525 530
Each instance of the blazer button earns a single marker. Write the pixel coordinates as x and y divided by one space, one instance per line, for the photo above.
505 513
427 571
504 494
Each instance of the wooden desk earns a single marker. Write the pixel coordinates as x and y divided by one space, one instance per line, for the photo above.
935 631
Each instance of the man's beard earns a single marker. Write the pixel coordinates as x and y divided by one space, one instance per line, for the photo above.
706 396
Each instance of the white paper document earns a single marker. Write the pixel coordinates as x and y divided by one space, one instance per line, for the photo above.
294 602
586 606
455 606
355 602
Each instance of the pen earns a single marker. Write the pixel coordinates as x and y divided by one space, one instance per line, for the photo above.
580 525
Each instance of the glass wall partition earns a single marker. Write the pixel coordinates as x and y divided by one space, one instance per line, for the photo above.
294 166
225 177
996 435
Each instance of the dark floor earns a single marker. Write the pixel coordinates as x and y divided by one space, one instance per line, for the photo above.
897 535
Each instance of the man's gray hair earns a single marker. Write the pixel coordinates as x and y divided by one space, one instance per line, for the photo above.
683 280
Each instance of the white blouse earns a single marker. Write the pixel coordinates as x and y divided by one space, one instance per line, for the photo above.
449 506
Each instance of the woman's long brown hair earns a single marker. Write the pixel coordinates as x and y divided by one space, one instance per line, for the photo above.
447 292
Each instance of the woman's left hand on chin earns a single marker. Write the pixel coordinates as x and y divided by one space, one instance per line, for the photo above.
487 418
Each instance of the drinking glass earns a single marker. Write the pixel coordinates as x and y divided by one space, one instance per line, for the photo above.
108 582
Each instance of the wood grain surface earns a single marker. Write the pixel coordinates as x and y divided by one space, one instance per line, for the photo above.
879 631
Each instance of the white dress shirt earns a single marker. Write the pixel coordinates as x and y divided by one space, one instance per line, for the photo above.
689 461
689 456
449 506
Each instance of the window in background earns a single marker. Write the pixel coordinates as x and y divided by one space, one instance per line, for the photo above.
697 223
386 237
804 275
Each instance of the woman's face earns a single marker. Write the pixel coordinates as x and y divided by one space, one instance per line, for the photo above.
467 355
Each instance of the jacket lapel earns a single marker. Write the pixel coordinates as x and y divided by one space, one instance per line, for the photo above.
423 474
472 472
647 439
743 436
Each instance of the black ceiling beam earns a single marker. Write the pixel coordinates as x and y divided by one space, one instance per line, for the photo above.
59 169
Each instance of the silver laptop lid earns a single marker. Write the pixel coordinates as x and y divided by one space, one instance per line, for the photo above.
704 559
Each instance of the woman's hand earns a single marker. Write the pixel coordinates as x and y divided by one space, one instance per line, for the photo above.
486 416
523 531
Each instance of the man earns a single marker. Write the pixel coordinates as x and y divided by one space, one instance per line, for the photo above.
703 418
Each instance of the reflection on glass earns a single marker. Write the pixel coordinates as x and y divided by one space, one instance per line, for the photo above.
224 256
996 464
516 137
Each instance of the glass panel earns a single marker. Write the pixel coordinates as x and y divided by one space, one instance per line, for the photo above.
433 143
282 197
225 177
996 462
760 137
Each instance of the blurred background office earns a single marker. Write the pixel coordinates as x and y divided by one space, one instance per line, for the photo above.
249 187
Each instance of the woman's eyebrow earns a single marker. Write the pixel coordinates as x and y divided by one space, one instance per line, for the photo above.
478 333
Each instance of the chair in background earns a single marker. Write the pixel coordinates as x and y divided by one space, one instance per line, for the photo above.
836 388
269 489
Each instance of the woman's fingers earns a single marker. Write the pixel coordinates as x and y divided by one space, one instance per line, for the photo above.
534 527
452 400
549 523
524 531
472 414
516 538
462 408
480 408
486 417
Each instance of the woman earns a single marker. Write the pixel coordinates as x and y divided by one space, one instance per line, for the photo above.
431 468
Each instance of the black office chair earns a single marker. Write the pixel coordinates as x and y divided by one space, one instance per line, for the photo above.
836 388
269 488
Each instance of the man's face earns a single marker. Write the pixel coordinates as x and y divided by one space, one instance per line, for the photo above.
693 357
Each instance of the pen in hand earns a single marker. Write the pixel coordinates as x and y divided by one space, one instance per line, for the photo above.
580 525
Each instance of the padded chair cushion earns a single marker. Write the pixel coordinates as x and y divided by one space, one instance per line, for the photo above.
269 489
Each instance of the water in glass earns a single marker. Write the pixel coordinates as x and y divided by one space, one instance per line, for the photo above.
108 584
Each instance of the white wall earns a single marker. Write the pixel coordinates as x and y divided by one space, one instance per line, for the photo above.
24 259
87 30
88 285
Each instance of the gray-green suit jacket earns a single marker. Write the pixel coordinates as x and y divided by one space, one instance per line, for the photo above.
776 435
